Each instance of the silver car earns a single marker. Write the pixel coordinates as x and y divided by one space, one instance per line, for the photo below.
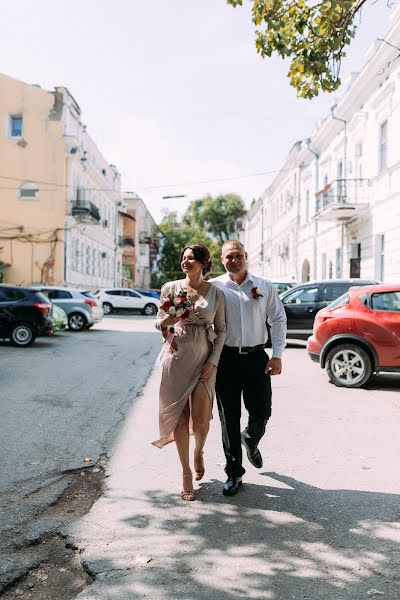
82 308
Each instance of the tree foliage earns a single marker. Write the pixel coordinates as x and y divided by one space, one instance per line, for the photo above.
208 221
313 34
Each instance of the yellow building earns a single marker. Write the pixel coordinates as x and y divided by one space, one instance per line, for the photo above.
59 198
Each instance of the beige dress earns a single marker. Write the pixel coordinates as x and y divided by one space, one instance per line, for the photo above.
199 339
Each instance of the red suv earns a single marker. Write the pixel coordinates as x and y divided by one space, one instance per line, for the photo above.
358 335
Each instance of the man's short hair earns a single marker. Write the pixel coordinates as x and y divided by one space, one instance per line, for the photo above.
236 242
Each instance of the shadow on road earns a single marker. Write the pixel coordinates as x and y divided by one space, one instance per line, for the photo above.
280 541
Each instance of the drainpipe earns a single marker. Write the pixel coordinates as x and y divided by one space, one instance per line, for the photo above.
308 142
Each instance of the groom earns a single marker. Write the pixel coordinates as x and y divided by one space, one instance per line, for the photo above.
244 367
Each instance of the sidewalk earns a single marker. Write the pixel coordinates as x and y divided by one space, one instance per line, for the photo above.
277 539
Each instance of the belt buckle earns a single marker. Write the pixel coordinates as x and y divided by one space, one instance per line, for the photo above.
241 352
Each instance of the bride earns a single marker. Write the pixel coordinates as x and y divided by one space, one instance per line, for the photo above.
193 342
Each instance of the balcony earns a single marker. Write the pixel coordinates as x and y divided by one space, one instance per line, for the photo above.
83 208
126 242
342 199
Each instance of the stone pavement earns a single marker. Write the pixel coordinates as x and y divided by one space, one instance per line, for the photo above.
299 528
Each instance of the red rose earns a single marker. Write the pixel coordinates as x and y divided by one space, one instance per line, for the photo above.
166 305
185 314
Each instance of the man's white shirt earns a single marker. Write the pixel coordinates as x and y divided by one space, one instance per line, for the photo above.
246 317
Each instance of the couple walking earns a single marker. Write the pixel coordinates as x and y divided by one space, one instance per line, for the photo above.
216 343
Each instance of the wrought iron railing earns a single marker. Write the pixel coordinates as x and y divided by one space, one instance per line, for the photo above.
343 191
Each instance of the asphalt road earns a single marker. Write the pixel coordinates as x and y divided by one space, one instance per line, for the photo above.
62 401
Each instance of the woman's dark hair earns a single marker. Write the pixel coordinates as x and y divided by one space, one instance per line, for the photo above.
202 254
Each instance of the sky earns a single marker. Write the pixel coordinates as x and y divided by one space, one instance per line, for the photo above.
172 91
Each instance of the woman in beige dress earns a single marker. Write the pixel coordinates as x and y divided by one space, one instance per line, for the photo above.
189 365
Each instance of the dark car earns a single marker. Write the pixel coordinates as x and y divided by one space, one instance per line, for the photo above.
358 335
304 301
25 314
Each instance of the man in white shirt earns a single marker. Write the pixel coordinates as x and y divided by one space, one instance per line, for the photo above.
244 367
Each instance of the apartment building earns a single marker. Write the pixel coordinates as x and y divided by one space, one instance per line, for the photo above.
333 211
59 198
140 265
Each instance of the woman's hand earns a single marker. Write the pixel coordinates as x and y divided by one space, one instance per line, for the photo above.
207 371
168 321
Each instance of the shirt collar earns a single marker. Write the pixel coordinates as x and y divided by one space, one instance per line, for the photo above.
248 279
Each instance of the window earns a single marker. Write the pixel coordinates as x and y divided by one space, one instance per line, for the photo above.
15 126
343 300
88 261
10 295
302 296
379 256
28 191
307 205
93 262
386 301
383 145
131 294
338 263
58 294
114 292
331 292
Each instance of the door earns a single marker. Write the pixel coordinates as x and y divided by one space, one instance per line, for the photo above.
114 296
4 314
133 299
301 307
386 308
61 298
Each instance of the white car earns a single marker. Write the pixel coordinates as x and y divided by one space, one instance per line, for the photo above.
114 299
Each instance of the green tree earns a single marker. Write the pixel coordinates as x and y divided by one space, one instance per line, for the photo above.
216 216
313 34
209 221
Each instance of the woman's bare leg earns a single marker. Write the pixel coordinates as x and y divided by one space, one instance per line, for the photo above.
201 425
181 435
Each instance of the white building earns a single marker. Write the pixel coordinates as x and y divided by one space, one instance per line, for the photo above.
147 240
334 209
93 256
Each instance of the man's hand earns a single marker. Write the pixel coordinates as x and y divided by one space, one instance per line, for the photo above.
274 366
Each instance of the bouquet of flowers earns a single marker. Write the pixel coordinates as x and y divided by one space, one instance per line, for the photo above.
177 305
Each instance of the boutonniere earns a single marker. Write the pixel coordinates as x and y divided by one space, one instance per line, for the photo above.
255 293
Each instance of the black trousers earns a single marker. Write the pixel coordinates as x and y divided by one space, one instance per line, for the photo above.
239 374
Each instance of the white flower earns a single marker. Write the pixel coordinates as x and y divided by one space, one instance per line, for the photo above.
177 301
180 312
172 311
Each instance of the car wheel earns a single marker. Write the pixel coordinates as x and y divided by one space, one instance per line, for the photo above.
349 366
150 309
77 322
23 335
107 308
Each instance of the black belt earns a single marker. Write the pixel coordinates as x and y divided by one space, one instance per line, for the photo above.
245 349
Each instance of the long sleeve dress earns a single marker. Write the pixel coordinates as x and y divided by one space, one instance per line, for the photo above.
199 339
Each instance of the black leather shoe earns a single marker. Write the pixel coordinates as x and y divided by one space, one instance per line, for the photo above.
231 486
253 453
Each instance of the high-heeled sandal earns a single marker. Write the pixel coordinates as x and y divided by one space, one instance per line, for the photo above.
188 494
199 473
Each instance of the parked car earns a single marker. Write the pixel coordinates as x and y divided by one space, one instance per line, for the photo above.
358 335
82 308
60 318
304 301
283 286
114 299
24 315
